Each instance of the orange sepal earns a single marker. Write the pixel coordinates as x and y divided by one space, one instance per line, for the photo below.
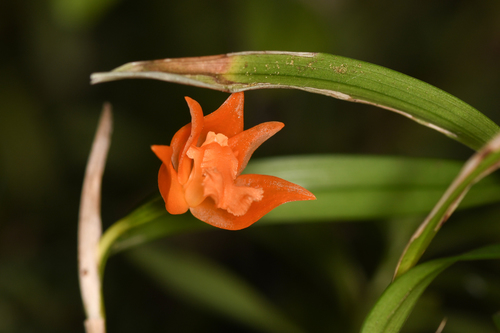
227 119
179 142
246 142
276 192
185 163
168 184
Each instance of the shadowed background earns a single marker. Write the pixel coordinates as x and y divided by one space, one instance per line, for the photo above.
48 115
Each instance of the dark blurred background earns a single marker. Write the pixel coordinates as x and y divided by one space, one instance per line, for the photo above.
48 114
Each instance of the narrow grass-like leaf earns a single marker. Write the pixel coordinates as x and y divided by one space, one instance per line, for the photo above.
335 76
477 167
347 187
211 287
394 306
365 187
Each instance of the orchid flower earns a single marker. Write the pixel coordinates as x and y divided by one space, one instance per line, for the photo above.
201 169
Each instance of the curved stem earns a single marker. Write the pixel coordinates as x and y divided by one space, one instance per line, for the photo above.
90 226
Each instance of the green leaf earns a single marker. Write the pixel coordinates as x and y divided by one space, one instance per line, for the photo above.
347 187
365 187
477 167
211 287
394 306
343 78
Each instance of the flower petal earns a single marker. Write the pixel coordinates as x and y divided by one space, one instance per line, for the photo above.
219 167
170 188
179 142
227 119
185 163
193 189
164 153
276 192
246 142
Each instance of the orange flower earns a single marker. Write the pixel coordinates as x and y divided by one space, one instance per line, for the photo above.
201 169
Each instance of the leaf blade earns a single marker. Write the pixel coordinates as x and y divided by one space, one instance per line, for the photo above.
394 306
335 76
347 187
476 168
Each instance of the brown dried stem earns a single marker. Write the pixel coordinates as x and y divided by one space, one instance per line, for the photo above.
90 226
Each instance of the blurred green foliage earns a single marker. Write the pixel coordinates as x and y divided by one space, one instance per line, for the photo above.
324 276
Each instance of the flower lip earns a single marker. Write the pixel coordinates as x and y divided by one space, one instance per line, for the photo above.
201 169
